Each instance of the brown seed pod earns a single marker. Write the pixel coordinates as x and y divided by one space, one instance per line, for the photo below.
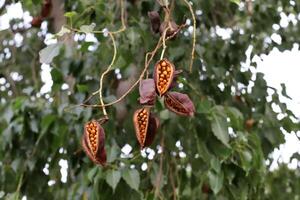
154 20
93 142
179 103
147 92
145 126
163 76
46 8
36 21
172 27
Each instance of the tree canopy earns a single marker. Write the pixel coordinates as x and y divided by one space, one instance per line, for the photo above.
94 54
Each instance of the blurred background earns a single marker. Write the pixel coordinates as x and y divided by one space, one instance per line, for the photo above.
242 143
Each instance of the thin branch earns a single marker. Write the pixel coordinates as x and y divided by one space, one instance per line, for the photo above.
194 34
164 43
147 62
123 28
106 72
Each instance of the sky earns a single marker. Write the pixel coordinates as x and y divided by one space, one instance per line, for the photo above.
278 67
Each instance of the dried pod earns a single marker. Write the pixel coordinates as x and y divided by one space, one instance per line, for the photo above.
172 27
179 103
147 92
145 125
163 76
36 21
93 142
154 20
46 8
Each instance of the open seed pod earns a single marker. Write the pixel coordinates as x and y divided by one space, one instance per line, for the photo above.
147 92
163 76
93 142
179 103
145 125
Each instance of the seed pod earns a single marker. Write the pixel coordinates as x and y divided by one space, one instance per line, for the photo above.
154 20
171 26
36 21
179 103
147 92
145 125
46 8
93 142
163 76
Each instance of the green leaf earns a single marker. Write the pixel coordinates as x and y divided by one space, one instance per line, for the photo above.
283 91
8 114
112 152
236 1
82 88
132 178
47 121
220 128
215 164
112 178
246 160
57 76
92 173
70 14
165 114
48 53
88 28
215 181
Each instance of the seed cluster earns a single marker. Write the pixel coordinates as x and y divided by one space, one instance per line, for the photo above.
164 77
175 105
92 135
142 119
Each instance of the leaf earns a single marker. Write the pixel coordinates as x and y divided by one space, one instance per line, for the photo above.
236 117
70 14
63 31
47 121
88 28
113 152
8 114
235 1
283 91
92 173
112 178
220 129
57 76
165 114
215 181
48 53
246 160
215 164
132 178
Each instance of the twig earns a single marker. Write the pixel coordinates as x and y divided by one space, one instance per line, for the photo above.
105 72
194 34
147 62
164 43
123 28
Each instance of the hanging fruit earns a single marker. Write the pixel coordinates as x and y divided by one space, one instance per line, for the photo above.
163 76
179 103
93 142
145 125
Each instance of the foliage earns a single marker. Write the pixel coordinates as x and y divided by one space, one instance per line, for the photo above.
222 149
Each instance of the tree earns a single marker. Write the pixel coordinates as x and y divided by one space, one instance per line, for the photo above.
220 153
